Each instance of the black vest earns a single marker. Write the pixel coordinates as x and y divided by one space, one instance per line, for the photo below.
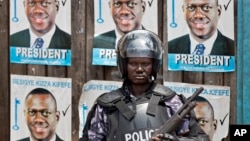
132 120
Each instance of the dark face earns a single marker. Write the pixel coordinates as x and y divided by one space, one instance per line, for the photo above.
202 17
127 14
139 69
205 118
41 14
41 116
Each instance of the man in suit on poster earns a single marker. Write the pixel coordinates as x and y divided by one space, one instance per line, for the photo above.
41 16
202 18
41 116
127 16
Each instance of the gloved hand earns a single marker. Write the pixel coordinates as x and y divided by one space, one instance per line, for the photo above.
164 137
169 137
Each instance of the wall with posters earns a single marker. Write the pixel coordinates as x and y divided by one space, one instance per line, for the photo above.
82 70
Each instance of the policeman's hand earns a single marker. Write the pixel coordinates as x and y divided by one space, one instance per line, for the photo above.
158 137
164 137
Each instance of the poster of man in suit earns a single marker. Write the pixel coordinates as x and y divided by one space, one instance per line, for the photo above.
40 32
113 19
201 35
40 108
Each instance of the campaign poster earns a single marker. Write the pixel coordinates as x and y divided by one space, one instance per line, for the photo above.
40 32
201 35
219 99
90 91
33 110
113 18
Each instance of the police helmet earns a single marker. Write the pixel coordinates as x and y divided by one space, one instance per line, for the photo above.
139 43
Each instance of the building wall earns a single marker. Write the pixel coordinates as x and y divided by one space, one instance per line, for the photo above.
82 71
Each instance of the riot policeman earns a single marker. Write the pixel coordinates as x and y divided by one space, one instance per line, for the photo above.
141 106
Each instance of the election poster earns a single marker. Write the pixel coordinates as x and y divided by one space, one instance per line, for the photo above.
212 107
201 36
40 32
90 91
114 18
40 107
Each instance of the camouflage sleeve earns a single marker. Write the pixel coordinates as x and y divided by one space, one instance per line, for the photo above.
99 125
175 103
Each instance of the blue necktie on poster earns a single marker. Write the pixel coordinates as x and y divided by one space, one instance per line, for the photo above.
38 43
199 50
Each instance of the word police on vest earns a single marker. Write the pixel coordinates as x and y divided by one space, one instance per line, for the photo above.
107 53
139 135
237 132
